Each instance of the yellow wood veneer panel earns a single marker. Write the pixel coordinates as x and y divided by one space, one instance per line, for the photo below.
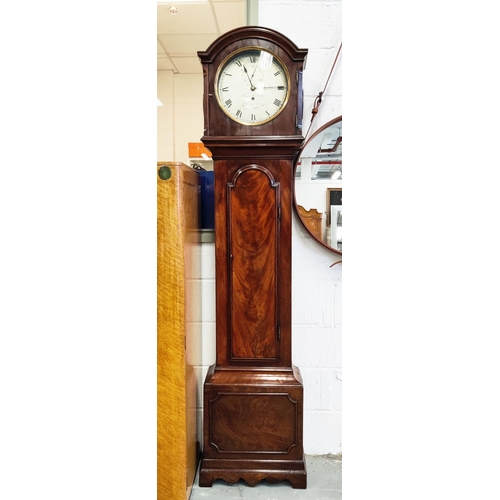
178 222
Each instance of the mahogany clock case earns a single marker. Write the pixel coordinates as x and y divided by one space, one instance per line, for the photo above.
253 395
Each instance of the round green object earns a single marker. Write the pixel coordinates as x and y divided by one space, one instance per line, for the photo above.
165 173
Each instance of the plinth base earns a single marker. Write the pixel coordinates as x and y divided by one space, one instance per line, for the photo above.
253 427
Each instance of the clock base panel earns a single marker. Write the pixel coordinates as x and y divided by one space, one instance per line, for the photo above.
253 426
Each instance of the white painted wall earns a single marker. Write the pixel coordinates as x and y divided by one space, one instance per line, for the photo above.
165 116
180 119
316 287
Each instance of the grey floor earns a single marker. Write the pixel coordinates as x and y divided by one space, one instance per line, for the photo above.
324 482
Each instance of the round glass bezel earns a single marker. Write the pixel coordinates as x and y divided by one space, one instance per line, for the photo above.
223 65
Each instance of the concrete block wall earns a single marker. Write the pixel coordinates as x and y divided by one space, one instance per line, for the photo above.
206 327
317 26
317 339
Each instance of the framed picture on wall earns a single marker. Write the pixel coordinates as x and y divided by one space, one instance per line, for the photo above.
333 199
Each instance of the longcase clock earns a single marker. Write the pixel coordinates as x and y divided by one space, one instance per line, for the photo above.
253 395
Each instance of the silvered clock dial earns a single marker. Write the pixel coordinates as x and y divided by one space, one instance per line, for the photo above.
252 86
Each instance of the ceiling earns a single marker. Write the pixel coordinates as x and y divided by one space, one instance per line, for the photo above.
193 26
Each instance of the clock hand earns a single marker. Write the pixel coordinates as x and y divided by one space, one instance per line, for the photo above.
249 79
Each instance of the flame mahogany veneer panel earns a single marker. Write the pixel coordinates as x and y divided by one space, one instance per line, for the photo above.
253 422
253 227
253 257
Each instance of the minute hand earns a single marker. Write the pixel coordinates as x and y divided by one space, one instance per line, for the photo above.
249 79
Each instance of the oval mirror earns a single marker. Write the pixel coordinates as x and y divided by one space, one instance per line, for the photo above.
318 185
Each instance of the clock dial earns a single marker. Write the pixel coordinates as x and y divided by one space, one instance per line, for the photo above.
252 86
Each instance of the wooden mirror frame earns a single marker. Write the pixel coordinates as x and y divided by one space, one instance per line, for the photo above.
299 210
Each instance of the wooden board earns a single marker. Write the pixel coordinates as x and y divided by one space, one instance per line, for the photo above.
177 265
